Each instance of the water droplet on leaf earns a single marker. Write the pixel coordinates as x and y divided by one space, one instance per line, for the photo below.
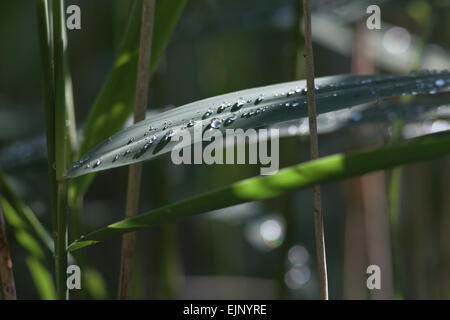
259 99
207 114
230 120
97 163
169 134
216 123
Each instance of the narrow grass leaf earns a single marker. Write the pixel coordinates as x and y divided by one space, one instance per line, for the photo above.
42 278
302 176
25 214
17 217
115 101
252 108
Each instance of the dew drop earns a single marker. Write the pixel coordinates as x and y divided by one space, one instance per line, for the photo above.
222 107
131 140
439 82
77 164
259 99
97 163
216 123
191 123
230 120
239 104
149 142
169 134
207 114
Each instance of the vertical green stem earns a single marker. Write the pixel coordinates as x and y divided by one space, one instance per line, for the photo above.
60 237
62 144
46 54
60 130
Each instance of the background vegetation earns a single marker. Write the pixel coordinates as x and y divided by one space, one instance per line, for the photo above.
263 249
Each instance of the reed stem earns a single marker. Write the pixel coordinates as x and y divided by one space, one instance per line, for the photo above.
318 217
6 272
134 174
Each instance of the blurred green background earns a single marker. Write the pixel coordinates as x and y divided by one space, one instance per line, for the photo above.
260 250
